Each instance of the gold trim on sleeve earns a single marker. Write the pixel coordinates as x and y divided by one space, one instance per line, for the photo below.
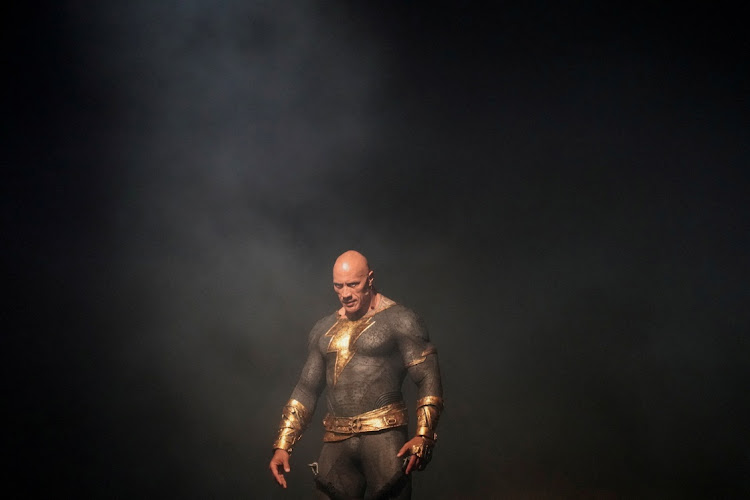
423 356
431 400
428 415
294 420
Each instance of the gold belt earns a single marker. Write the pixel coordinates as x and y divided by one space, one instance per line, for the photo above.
385 417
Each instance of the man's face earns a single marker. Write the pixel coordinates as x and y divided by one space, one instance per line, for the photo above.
353 287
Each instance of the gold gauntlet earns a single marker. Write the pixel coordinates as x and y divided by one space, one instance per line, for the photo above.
423 450
428 414
294 419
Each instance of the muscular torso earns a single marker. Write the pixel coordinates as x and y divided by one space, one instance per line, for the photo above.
363 363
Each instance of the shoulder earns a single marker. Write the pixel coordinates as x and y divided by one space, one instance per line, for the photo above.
326 321
405 321
321 327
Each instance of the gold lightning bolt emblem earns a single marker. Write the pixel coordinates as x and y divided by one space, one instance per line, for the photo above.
344 335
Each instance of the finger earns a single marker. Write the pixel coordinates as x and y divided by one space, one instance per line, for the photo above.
286 464
281 479
277 475
403 450
412 461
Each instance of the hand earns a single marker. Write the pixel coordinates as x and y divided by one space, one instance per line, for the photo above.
280 459
420 449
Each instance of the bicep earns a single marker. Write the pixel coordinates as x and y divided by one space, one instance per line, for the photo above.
426 376
313 372
419 356
413 341
311 379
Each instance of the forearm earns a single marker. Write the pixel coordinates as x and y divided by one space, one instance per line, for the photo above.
298 411
428 414
426 376
306 395
294 419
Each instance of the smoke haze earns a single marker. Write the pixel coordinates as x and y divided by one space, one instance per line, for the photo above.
560 194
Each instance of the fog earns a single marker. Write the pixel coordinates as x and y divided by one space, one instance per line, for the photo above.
559 194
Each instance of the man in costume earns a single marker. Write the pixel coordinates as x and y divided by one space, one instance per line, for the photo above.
361 355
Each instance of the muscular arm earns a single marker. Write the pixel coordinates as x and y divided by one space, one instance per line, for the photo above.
420 358
313 376
300 408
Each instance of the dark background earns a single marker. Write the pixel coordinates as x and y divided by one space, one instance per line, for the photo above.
558 190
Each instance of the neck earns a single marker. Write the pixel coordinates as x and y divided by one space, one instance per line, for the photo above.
374 301
371 308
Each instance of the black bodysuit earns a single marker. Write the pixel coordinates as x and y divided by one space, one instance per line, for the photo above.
362 364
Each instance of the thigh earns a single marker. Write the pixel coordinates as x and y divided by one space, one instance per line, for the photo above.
339 471
382 469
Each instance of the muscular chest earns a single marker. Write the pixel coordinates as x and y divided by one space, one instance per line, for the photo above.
364 338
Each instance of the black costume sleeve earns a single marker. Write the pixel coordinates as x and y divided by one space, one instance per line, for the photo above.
419 355
312 379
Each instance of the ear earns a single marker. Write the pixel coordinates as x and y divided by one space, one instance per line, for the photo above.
370 278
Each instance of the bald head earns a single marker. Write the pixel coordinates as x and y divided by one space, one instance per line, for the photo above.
352 260
352 282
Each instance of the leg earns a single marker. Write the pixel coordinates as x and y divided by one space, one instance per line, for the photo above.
339 471
383 470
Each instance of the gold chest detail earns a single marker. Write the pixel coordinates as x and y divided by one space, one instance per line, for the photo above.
344 335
